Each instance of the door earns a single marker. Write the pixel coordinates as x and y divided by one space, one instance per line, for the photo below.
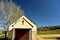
22 34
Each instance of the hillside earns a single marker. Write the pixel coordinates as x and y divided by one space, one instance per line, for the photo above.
49 30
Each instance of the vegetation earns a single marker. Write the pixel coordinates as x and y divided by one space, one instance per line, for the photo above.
32 21
49 30
4 38
10 12
2 35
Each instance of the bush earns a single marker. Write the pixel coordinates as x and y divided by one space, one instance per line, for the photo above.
4 38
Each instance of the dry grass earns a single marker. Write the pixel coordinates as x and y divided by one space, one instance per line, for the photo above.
48 37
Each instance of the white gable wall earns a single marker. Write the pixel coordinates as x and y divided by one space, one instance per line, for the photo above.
19 24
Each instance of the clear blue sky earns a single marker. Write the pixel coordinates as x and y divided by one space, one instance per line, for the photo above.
43 12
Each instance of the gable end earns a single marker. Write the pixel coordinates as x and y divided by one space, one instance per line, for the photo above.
28 22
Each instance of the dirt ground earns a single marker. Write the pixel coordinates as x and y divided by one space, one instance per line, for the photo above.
49 37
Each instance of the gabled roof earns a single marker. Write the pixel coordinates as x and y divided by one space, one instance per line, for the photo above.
28 21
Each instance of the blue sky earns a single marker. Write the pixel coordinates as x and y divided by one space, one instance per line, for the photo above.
43 12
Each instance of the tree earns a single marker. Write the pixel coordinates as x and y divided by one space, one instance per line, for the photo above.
32 21
11 12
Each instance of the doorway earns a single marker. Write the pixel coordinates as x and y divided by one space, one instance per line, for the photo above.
22 34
